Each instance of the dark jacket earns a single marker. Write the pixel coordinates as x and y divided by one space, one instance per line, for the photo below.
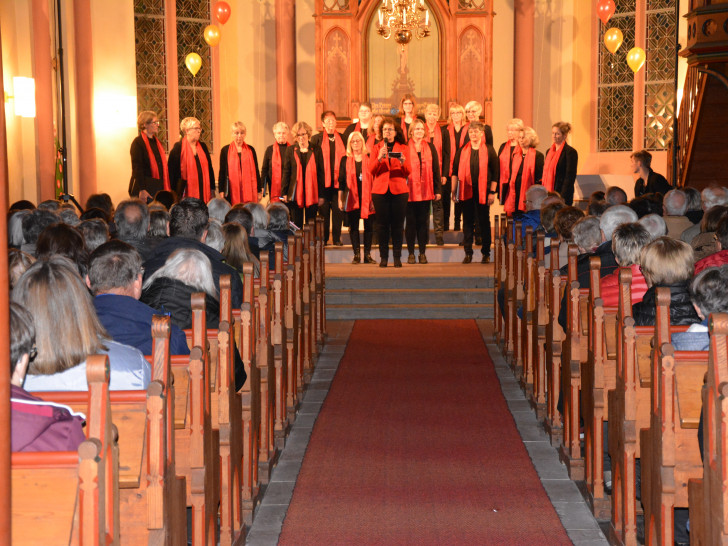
267 240
681 307
42 426
170 244
290 172
175 169
565 176
223 179
656 183
129 321
141 168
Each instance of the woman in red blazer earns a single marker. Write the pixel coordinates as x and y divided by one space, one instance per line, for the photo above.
389 189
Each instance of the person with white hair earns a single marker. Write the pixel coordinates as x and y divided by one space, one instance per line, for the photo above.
535 196
215 238
271 173
217 208
711 197
655 225
674 206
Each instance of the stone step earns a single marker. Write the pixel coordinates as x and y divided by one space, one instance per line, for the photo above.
450 253
449 237
482 296
408 282
414 311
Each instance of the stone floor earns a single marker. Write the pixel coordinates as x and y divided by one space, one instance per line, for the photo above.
578 521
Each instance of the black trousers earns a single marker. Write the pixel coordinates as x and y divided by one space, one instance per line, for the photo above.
471 209
297 213
332 214
390 213
446 200
354 216
418 224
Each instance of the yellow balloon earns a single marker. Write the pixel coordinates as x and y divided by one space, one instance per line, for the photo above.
613 39
636 58
212 35
193 62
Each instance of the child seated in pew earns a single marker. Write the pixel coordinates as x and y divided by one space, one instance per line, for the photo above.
669 263
628 240
35 425
68 331
170 288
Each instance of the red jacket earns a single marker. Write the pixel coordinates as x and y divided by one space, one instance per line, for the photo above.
714 260
609 287
389 174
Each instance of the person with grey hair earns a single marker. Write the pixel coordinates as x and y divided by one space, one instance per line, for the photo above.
132 225
615 196
709 294
614 217
711 197
15 228
655 225
628 240
218 208
33 224
587 235
69 216
215 238
277 231
695 205
95 233
271 173
674 206
260 217
535 196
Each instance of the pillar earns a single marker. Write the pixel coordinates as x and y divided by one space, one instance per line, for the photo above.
286 61
523 60
85 173
43 73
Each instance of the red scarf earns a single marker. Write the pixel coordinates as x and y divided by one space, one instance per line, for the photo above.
153 161
436 139
464 175
527 180
353 200
403 124
549 168
421 188
454 146
338 154
371 141
310 181
506 160
242 178
276 173
188 167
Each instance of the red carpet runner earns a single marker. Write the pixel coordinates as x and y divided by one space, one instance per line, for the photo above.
415 445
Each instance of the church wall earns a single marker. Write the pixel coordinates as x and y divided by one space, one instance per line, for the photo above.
306 62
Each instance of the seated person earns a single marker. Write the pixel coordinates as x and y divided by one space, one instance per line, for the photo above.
674 206
721 256
236 249
654 224
709 294
628 241
115 279
668 263
548 215
169 289
706 243
278 230
615 196
68 331
564 223
35 425
535 196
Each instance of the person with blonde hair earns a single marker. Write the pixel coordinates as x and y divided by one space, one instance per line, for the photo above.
527 170
666 262
237 250
507 152
434 135
238 177
54 293
149 172
559 172
355 195
271 173
473 111
454 137
190 164
302 188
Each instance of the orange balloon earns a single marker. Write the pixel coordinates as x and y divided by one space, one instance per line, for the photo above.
222 12
212 35
613 39
636 58
193 62
605 10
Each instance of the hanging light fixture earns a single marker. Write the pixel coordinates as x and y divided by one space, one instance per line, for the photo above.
403 19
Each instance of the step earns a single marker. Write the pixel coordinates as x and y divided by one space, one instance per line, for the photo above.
435 254
413 311
408 282
481 296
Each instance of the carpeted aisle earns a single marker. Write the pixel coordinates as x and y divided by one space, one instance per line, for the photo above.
415 445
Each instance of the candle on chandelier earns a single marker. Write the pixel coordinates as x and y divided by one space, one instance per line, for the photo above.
404 17
427 18
380 18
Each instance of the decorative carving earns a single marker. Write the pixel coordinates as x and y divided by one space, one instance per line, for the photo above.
336 62
471 5
336 5
471 55
660 74
151 62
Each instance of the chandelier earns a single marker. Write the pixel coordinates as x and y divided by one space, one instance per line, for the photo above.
403 19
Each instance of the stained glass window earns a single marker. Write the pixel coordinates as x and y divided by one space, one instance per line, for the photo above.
151 64
195 93
660 74
615 110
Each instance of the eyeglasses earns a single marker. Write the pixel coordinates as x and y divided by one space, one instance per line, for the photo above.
299 135
471 111
33 353
388 129
155 122
239 133
195 129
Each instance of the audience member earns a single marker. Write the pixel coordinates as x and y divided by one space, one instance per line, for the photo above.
132 225
101 201
649 181
68 331
63 240
668 263
158 224
50 205
35 425
69 216
214 237
278 230
15 228
23 204
711 197
563 225
674 206
18 263
115 280
96 212
596 208
695 206
33 224
709 294
586 235
535 196
596 196
260 216
236 249
655 225
168 198
95 233
218 208
628 240
615 196
720 257
706 243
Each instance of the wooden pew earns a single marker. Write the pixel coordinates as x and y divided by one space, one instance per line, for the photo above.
670 455
554 342
501 274
537 347
517 303
280 346
246 321
292 325
497 285
309 328
71 497
510 296
320 276
707 495
574 352
528 304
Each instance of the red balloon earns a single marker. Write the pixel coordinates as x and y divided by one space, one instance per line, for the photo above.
605 10
222 12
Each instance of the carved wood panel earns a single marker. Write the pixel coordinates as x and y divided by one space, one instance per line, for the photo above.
471 56
337 61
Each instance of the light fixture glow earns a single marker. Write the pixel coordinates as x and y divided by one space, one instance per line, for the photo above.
24 96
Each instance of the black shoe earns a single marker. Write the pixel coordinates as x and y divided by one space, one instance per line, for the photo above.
357 259
411 259
461 243
423 259
478 241
439 241
485 259
383 263
456 227
397 262
339 243
468 259
368 259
